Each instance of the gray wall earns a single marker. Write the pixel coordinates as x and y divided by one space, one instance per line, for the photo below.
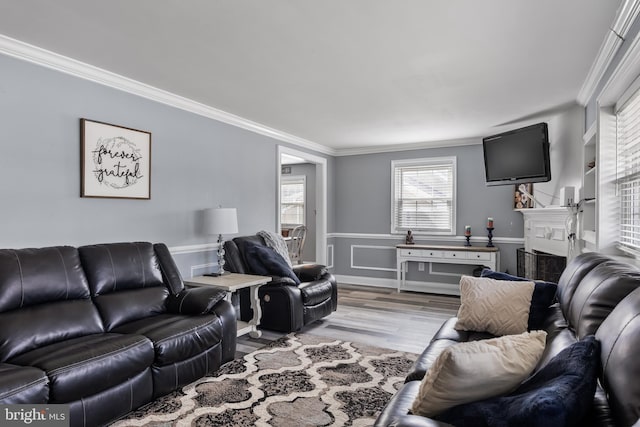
308 170
363 206
363 203
196 163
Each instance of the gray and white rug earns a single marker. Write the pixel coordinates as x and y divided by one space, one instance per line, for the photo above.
298 380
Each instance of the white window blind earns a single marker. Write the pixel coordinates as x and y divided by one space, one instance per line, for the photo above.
423 195
628 172
292 200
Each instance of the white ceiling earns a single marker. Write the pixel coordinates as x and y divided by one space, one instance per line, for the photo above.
344 74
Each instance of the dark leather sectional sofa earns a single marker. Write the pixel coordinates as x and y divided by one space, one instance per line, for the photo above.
286 306
596 295
105 328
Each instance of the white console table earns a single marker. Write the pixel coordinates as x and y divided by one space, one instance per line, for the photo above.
232 282
465 255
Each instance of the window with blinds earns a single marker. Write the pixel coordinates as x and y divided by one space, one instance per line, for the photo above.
292 200
628 172
423 196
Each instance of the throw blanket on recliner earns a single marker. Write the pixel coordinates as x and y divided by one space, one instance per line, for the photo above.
277 243
266 261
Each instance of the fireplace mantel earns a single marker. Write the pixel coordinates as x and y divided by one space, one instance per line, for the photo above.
545 230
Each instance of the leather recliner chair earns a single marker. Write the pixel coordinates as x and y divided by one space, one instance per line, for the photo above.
286 306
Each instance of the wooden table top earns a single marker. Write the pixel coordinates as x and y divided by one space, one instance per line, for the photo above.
450 248
230 281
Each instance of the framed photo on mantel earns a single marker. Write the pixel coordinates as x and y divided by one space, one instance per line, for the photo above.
115 161
520 199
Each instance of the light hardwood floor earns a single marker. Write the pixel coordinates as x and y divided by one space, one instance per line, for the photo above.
381 317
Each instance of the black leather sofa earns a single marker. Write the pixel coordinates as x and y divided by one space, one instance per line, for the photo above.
105 328
596 295
286 306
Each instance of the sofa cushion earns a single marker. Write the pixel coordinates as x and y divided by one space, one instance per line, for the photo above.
34 276
558 395
177 337
44 298
619 336
44 324
573 274
544 293
84 366
113 267
125 281
119 308
471 371
266 261
495 306
22 384
599 293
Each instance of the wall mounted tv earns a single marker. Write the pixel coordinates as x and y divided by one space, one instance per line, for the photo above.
518 156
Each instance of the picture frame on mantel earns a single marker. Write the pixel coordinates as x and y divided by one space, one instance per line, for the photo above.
520 199
115 161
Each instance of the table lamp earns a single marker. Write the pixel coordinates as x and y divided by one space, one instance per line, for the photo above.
220 221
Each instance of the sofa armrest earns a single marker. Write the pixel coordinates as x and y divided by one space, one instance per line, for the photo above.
397 412
170 273
280 281
227 315
417 421
195 301
309 272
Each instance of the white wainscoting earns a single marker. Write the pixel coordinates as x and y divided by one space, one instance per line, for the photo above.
366 267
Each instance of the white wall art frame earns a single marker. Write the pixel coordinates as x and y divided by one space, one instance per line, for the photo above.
115 161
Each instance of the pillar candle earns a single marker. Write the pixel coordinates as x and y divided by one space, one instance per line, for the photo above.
489 222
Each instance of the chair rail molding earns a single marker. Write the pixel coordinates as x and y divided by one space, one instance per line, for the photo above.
399 238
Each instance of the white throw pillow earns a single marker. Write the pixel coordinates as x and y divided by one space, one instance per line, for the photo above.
500 307
476 370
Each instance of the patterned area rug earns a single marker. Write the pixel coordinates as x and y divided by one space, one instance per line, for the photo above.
298 380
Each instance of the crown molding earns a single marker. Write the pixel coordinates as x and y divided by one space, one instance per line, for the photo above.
191 249
36 55
408 146
627 13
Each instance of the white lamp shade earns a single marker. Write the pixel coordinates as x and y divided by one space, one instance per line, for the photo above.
220 221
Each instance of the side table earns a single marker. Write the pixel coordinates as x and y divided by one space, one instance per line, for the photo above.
232 282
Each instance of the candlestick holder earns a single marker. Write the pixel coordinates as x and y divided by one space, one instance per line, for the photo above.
467 237
490 236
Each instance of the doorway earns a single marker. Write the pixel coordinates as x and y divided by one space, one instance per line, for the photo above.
318 192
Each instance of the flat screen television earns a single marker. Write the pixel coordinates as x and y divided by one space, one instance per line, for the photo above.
518 156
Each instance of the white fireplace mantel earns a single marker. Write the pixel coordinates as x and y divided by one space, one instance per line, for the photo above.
545 230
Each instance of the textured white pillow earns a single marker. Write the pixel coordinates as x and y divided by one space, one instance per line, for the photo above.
500 307
476 370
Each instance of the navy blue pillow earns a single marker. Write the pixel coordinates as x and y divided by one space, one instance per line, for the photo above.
544 294
267 262
558 395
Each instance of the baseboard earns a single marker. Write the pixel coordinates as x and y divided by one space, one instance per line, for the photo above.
413 285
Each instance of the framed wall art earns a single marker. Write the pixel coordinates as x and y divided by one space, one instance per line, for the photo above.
115 161
521 199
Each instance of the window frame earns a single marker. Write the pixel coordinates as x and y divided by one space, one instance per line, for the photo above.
632 247
294 179
427 162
